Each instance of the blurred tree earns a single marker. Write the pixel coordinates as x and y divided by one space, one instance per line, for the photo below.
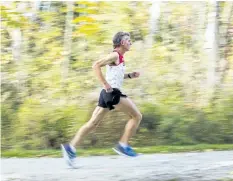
67 39
212 47
47 43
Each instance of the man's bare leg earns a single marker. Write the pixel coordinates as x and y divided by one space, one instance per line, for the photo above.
68 150
127 106
97 116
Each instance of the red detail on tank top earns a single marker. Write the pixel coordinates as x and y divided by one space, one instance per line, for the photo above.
120 57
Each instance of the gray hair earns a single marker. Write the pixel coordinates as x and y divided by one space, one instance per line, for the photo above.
118 37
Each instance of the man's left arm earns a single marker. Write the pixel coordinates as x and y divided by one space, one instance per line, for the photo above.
131 75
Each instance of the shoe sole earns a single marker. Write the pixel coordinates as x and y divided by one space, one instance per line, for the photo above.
66 157
122 154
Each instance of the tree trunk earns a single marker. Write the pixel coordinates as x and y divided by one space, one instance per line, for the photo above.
153 22
225 35
67 39
16 52
226 39
212 49
225 42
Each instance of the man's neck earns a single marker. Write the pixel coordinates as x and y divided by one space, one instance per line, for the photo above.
120 50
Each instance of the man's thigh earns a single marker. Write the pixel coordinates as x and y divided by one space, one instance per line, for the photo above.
127 106
98 114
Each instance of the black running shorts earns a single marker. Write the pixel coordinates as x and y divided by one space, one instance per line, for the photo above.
107 100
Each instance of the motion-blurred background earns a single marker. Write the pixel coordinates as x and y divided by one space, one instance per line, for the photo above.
182 49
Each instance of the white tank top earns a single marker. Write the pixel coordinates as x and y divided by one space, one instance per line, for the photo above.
115 73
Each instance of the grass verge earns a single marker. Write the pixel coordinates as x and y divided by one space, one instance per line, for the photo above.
108 151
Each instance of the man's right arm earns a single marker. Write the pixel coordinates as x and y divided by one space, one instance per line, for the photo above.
111 58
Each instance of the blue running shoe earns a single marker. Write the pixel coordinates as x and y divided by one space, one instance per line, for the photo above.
68 155
127 151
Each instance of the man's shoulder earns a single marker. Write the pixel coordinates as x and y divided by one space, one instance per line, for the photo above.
114 54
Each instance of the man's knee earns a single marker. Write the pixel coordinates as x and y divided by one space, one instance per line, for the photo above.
138 117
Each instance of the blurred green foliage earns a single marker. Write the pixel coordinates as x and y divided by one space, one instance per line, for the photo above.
41 108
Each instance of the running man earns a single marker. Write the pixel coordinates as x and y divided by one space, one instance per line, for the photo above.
110 98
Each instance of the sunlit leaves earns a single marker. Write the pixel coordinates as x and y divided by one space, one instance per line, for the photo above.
86 10
88 29
83 19
12 19
171 78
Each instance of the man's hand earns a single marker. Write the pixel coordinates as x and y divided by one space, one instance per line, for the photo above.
107 87
134 74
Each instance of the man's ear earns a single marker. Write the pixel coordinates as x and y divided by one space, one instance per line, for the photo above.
122 42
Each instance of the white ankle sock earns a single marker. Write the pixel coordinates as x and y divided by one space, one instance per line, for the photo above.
73 148
123 144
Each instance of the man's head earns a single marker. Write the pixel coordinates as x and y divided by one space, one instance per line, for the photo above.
122 39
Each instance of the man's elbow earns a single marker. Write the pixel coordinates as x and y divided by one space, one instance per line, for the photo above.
95 65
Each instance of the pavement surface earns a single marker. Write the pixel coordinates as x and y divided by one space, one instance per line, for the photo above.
194 166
